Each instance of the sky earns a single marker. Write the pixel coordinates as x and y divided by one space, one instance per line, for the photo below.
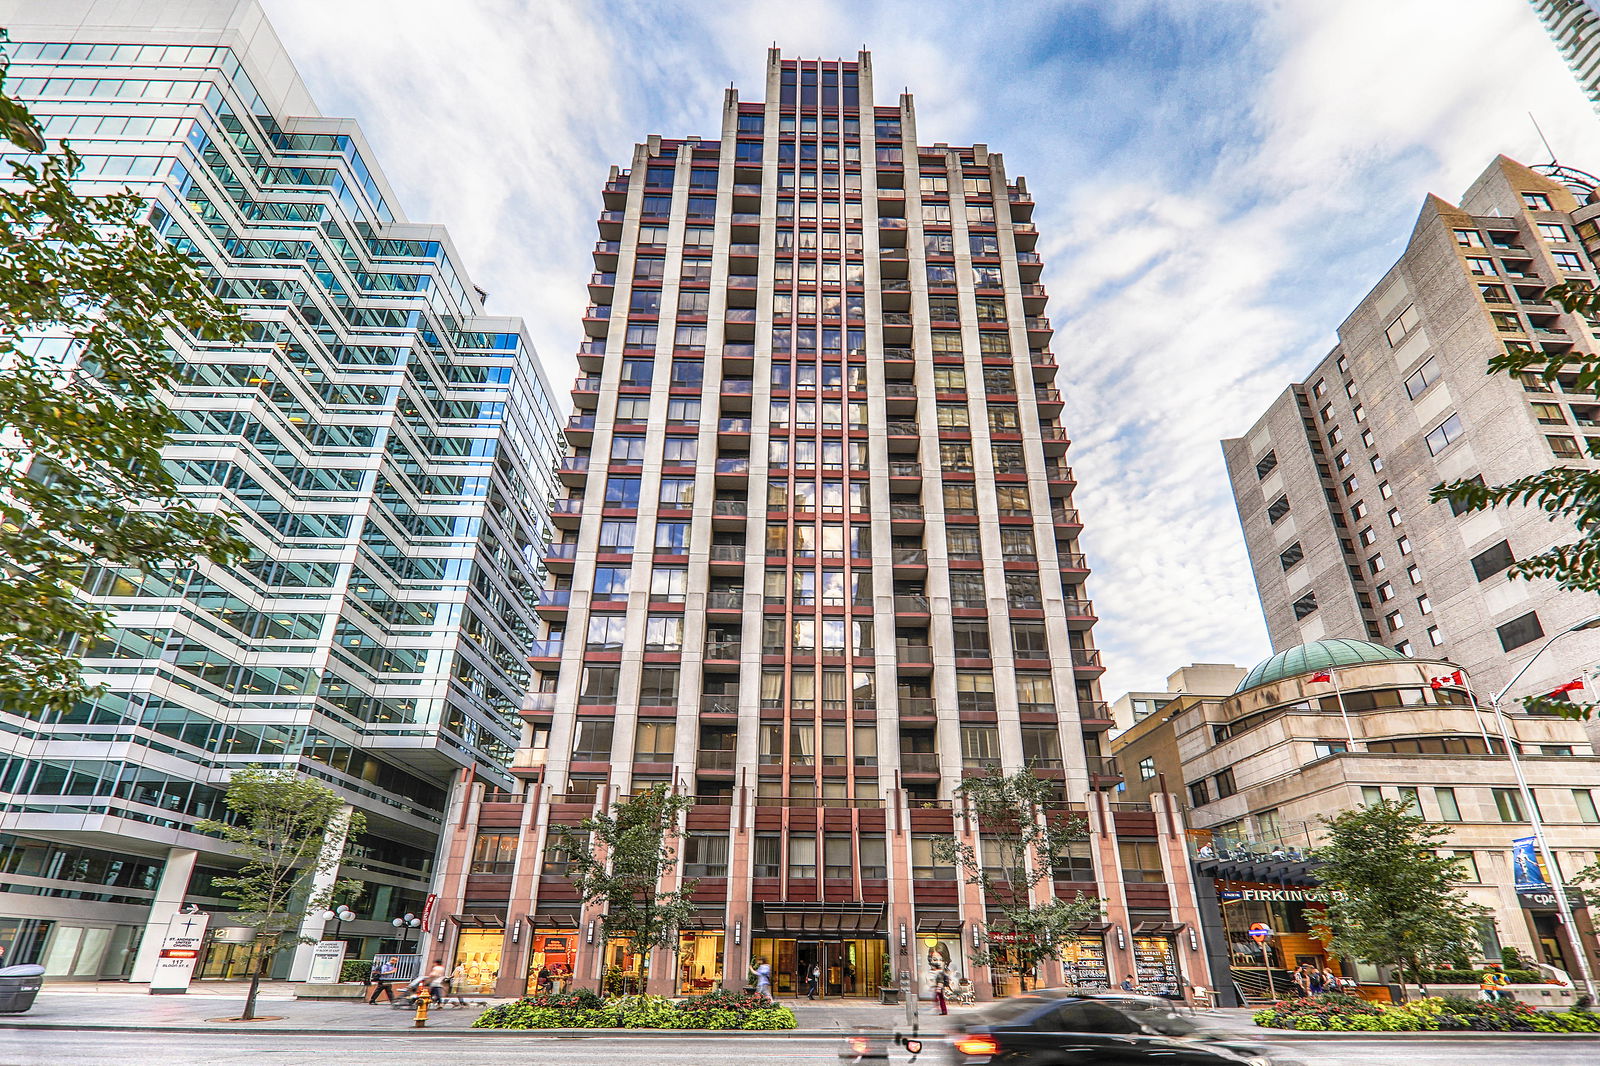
1218 183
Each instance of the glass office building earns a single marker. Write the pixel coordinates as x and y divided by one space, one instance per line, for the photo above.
387 446
817 561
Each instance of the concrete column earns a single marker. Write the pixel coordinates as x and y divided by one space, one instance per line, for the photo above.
322 882
169 898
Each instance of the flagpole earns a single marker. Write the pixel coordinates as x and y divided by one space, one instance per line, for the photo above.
1338 694
1472 698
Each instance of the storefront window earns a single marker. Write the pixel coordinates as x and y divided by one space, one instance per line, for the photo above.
477 965
625 971
1155 966
1083 963
941 954
843 967
699 963
551 953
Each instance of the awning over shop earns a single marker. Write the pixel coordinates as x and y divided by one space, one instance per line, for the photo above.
822 917
1091 928
553 920
479 921
1288 873
939 923
1159 928
706 920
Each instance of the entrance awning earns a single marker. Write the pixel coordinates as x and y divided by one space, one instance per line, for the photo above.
553 920
1159 928
822 918
1090 928
479 921
706 920
937 923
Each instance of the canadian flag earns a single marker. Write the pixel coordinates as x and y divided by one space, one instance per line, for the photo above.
1324 677
1457 678
1570 686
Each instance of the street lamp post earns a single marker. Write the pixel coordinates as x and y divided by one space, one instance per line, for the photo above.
338 918
410 921
1557 883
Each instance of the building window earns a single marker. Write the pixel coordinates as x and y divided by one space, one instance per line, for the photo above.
1385 491
1367 537
1535 201
1404 544
1199 794
1508 803
1318 388
1549 414
1305 605
1564 447
1140 861
1342 460
1481 267
1325 748
1469 238
1520 631
1278 509
705 855
1435 637
766 857
1335 435
1492 560
1449 809
494 853
1394 621
1584 798
924 867
1425 375
1424 604
1267 464
1443 435
1367 438
1371 794
1360 413
1359 511
1404 647
1414 574
1385 592
1351 485
1403 324
1223 780
1375 565
1567 261
1552 231
1466 865
1291 555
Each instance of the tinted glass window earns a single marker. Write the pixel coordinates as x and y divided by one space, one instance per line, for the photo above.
1010 1011
1082 1017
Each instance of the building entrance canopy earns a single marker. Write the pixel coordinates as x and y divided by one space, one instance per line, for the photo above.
821 919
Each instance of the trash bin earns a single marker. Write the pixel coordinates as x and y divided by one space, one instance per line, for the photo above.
18 987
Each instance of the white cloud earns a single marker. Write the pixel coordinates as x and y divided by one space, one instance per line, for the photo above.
1218 184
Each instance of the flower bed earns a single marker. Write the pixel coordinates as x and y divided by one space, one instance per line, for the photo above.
1341 1013
585 1009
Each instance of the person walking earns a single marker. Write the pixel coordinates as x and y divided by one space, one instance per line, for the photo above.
546 980
1330 981
941 984
813 979
763 974
436 979
383 973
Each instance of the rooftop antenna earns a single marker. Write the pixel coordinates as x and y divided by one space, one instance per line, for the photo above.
1542 138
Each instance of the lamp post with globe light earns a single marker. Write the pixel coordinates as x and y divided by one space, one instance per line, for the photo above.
338 917
410 921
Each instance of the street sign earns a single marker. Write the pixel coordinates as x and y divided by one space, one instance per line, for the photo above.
327 959
180 954
1260 931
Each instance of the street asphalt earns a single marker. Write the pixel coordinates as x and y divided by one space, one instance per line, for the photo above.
263 1048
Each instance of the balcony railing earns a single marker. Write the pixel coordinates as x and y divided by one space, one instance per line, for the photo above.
733 425
561 550
545 649
916 706
738 386
555 597
909 557
1080 608
907 604
742 281
919 762
733 466
1073 561
901 469
573 464
1086 657
727 553
907 511
719 703
729 508
900 428
714 759
722 649
725 601
914 653
1104 766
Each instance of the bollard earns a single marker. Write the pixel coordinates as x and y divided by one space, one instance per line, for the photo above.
422 1012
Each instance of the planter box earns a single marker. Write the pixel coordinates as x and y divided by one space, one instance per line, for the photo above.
888 994
1533 995
307 990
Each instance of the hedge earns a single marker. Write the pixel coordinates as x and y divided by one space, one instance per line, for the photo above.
586 1009
1342 1013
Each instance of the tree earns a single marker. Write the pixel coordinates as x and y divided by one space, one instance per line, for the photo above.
1021 841
1390 895
619 859
1568 494
89 294
280 825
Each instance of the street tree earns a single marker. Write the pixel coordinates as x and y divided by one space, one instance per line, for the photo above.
1569 495
290 832
1023 837
1391 897
90 297
619 860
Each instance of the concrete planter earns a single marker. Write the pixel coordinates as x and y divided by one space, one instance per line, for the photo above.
1533 995
307 990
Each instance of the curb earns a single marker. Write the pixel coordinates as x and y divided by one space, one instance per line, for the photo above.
547 1034
1312 1037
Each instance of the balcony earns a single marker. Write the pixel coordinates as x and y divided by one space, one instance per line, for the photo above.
601 286
564 514
714 759
1026 236
727 558
725 600
560 556
899 364
744 251
910 604
734 471
1075 562
894 263
1080 614
916 706
909 557
914 657
545 649
739 323
722 650
738 358
906 517
553 603
586 391
580 430
1044 365
900 397
733 430
719 703
605 255
903 436
1067 521
736 394
1029 265
573 469
1087 660
1104 771
921 763
1049 400
728 514
902 468
1094 716
1054 439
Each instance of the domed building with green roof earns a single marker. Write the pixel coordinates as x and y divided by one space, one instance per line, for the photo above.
1336 723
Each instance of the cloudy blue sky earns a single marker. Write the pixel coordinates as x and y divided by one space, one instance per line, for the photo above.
1218 182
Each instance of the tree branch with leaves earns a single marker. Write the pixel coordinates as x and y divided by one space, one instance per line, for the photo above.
1022 838
281 826
90 297
620 859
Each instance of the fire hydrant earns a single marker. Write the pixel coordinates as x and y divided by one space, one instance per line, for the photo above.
422 1011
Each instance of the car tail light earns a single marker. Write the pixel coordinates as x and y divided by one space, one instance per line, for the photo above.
977 1045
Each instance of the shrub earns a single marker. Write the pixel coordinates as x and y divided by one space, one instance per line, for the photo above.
1449 1013
357 970
586 1009
724 999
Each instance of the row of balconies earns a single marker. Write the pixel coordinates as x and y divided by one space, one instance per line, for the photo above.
573 470
743 258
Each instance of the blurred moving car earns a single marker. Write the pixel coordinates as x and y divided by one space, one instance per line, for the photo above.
1069 1030
1162 1016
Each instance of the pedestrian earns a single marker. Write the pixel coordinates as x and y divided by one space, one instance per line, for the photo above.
1302 982
436 979
546 980
1330 981
1128 985
941 983
813 979
763 973
383 973
1207 851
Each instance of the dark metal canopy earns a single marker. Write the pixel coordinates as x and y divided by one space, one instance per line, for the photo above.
939 923
706 920
479 921
822 917
554 920
1159 928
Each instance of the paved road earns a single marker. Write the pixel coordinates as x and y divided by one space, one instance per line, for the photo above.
56 1048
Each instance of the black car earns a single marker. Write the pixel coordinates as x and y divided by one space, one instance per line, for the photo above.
1073 1031
1161 1015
